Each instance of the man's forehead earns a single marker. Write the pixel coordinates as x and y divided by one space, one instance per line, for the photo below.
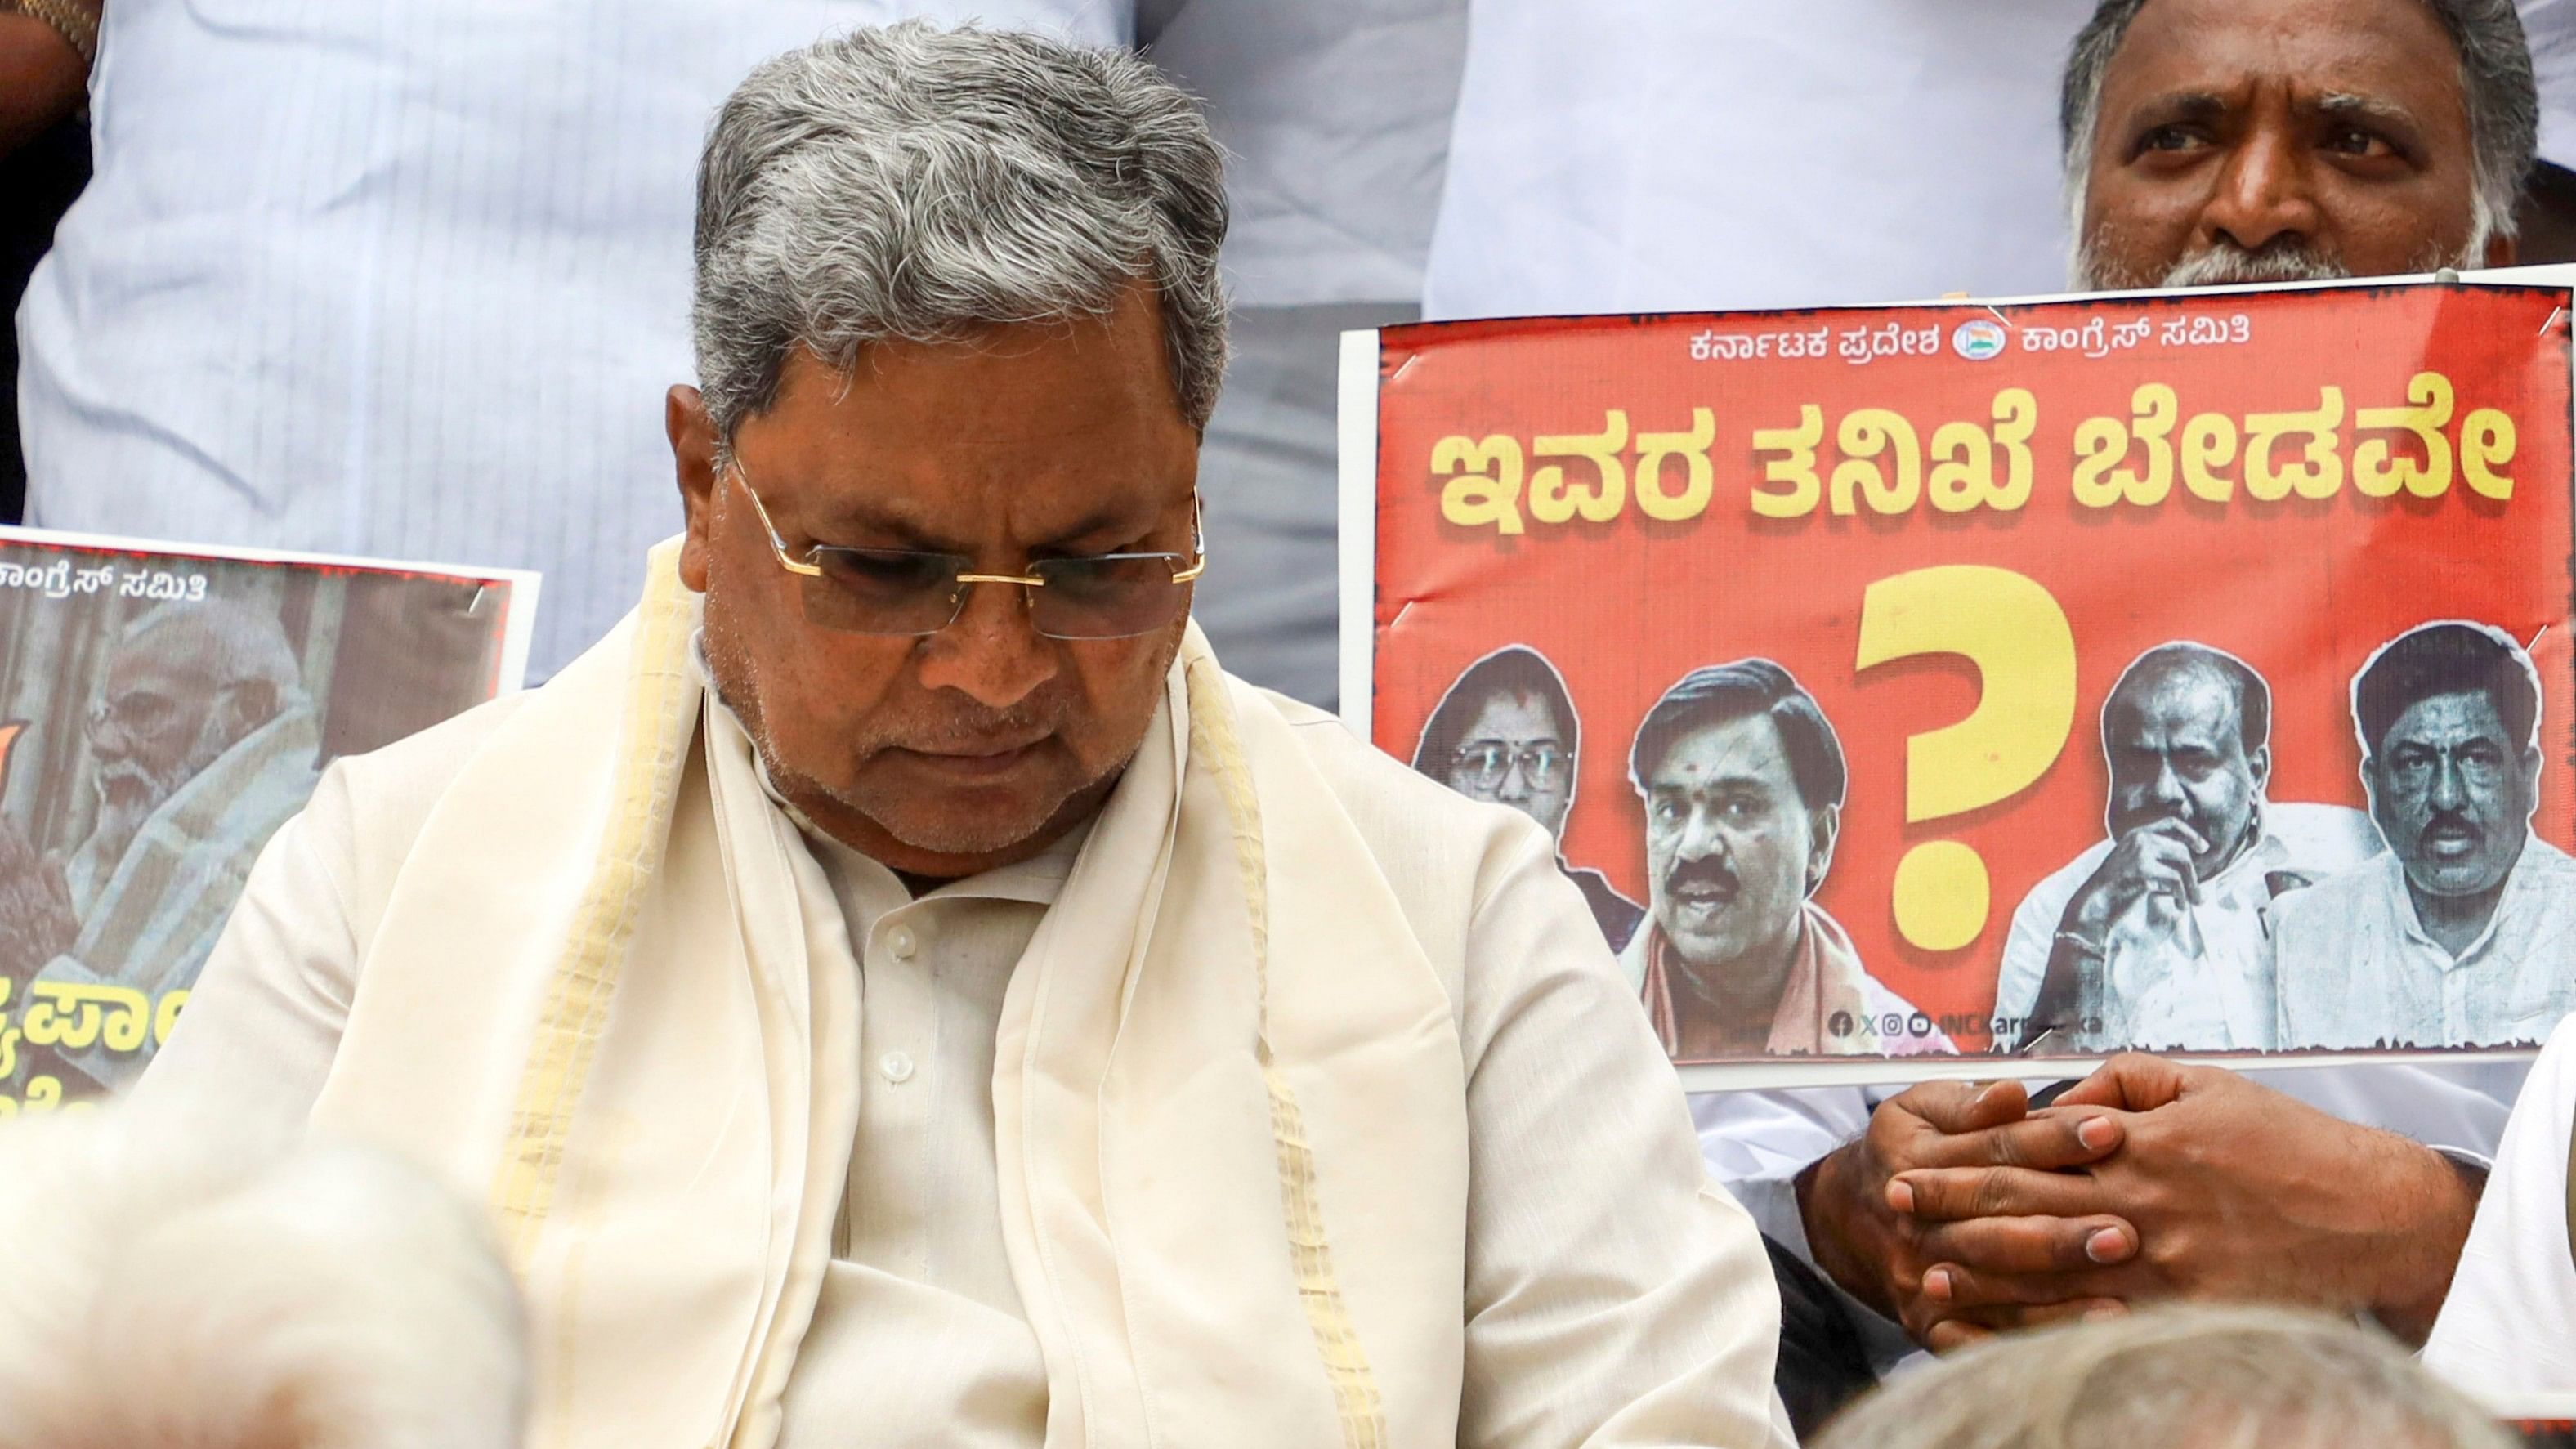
1744 749
2449 719
2189 700
1049 431
1513 713
2371 52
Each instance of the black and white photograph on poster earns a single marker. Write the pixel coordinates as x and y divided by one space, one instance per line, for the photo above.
162 712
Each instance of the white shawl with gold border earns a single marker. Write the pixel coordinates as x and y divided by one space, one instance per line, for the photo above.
1229 1094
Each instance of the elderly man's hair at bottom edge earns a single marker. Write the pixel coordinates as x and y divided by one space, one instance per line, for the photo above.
173 1284
2183 1377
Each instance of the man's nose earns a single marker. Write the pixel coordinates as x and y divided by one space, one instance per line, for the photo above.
990 652
2448 792
2262 196
1701 839
2167 786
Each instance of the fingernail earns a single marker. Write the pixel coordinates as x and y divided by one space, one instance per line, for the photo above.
1900 1196
2097 1133
2102 1311
2106 1245
1936 1284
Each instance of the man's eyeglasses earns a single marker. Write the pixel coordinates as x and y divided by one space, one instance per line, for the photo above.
1485 764
912 593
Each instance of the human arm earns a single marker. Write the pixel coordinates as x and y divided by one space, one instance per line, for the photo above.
42 75
1614 1295
2151 864
2508 1325
2236 1192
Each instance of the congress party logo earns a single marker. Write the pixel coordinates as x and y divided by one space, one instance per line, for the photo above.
1978 339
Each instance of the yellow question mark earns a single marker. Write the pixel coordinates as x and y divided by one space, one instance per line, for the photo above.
2013 631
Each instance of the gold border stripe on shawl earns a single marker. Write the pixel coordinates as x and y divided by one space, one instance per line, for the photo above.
1355 1391
651 751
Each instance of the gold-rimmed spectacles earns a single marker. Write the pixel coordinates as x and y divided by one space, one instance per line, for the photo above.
912 592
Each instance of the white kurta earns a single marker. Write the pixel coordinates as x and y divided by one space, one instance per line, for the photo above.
2358 970
2509 1324
1606 1298
2218 997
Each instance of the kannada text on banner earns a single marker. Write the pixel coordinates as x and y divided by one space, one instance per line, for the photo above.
1904 682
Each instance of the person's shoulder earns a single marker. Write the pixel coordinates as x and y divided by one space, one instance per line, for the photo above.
2047 900
2549 859
2325 838
1406 817
390 791
2333 902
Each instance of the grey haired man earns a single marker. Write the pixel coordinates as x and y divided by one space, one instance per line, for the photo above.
898 982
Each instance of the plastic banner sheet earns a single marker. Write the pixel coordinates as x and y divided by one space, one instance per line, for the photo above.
162 711
1911 686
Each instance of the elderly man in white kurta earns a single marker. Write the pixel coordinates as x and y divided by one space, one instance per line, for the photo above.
897 989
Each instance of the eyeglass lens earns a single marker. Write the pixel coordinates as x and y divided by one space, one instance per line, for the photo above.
902 592
1485 764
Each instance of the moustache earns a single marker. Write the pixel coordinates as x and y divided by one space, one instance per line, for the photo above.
2455 822
1707 878
974 732
2227 264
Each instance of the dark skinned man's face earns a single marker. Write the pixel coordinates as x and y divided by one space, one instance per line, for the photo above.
982 743
2279 140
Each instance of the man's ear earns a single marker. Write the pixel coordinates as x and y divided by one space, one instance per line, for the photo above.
2531 776
693 460
1823 825
2260 764
245 706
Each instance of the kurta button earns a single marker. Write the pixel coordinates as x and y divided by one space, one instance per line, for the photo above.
902 943
896 1066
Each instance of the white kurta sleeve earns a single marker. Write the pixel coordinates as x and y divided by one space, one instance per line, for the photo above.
2509 1324
263 1022
1615 1296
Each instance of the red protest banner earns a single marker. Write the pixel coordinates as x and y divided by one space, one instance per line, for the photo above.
1954 530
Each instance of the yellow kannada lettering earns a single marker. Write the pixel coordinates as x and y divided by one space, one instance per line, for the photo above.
1699 481
165 1017
76 1017
2103 445
1552 500
2319 471
2430 412
1484 487
1868 434
2487 440
1793 467
1963 457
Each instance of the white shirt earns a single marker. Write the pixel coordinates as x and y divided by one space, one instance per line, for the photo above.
404 281
1756 1143
2509 1324
1656 155
2358 970
1335 119
2168 995
918 1268
1679 155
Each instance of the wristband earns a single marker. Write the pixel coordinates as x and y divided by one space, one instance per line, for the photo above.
75 22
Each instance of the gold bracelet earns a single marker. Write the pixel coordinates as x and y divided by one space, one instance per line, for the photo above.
76 23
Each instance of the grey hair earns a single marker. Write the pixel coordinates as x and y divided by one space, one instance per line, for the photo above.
920 184
2211 1377
246 644
2495 80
